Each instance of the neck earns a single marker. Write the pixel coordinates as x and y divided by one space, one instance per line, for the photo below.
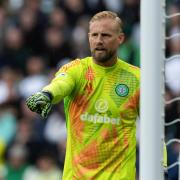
112 61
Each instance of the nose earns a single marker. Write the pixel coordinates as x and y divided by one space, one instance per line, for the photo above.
99 38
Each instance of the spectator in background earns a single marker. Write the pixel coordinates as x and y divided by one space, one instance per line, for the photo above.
58 19
7 131
14 53
8 110
7 124
172 73
114 5
74 9
29 132
33 16
8 84
95 6
3 28
173 24
35 69
172 113
130 16
27 22
79 37
56 46
14 6
46 168
24 131
16 162
55 128
55 132
130 51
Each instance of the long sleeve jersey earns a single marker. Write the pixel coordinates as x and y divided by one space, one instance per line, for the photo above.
101 107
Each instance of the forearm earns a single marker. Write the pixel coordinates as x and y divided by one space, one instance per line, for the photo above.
59 89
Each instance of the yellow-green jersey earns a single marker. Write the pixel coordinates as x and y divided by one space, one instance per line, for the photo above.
101 106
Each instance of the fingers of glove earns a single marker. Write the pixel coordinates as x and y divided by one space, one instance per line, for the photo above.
39 111
29 100
31 103
39 103
42 100
46 110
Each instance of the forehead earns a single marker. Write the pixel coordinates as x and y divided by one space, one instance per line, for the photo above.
103 25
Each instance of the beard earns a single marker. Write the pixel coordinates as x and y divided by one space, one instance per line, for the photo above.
102 56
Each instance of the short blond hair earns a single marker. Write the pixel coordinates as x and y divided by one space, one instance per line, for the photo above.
108 14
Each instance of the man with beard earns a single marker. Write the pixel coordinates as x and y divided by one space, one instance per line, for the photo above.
101 99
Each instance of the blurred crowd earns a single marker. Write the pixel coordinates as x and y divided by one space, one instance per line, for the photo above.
36 38
172 79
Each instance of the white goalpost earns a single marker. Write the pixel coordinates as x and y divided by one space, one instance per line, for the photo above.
152 90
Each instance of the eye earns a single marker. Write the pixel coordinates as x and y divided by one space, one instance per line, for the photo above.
106 35
94 34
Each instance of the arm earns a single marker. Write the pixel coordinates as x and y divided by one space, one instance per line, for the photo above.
61 86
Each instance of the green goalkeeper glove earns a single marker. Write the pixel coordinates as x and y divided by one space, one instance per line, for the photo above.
40 103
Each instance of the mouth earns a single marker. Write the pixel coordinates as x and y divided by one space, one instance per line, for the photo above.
100 49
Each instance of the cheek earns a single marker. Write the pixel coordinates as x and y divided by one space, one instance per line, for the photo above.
91 43
116 44
113 45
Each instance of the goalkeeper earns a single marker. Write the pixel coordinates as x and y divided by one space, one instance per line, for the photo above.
101 99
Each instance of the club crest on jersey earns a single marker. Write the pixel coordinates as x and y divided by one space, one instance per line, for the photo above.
122 90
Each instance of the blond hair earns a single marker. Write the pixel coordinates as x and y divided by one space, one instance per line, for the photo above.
108 14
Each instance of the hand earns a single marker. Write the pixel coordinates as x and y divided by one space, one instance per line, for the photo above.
40 103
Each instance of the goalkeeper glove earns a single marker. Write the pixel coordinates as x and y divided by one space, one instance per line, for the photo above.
40 103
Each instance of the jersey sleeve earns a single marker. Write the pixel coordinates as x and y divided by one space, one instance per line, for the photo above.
63 83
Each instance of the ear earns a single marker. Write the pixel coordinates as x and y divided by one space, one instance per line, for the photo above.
121 38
